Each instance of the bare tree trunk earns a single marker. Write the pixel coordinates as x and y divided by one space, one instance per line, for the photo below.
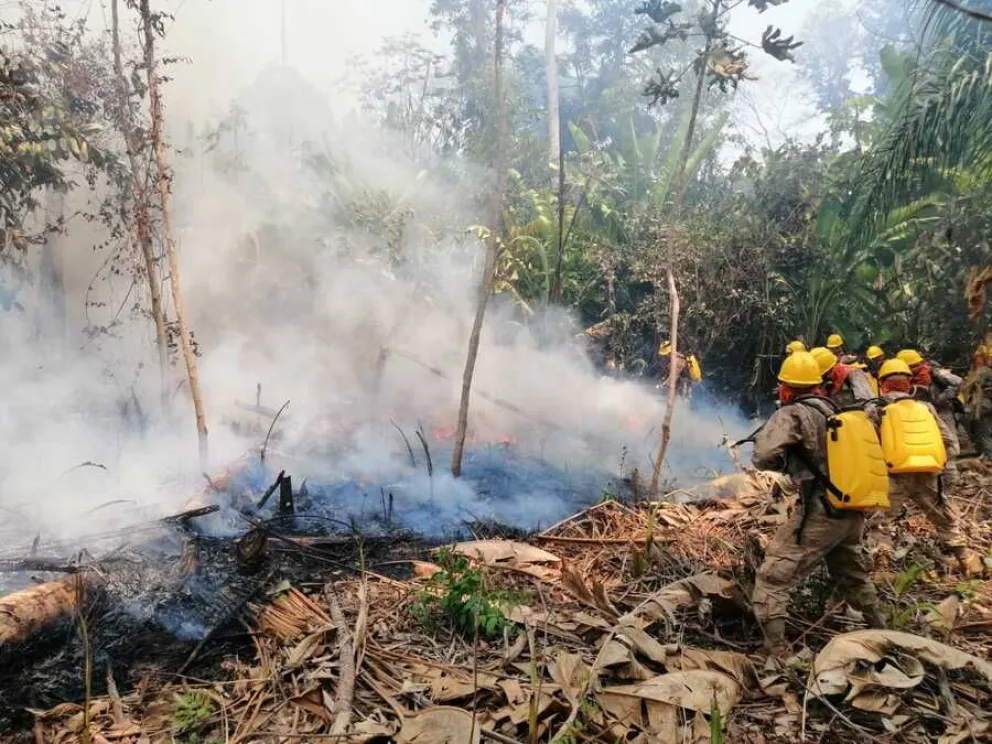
139 194
554 296
555 152
164 183
551 64
489 271
674 369
51 321
680 175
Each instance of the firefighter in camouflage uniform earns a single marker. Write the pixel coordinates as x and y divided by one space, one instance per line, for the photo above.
925 490
813 532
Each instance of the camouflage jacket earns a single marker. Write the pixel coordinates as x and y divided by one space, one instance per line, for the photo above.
791 426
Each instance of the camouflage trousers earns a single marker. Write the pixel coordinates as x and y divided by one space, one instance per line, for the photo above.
835 541
921 490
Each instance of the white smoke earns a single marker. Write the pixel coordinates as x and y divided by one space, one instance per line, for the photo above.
282 296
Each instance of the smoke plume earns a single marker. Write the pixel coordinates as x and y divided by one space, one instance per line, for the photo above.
295 294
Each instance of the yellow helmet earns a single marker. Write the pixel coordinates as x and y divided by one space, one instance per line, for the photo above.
874 352
825 358
894 367
665 349
800 369
910 356
834 341
795 346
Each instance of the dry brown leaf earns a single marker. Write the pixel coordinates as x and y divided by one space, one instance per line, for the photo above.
896 672
944 618
715 587
591 621
446 687
662 604
513 691
701 733
568 671
634 671
440 725
662 720
312 702
624 708
594 596
603 601
694 690
736 665
306 648
532 618
731 487
614 653
521 712
516 555
974 290
59 711
835 667
372 729
877 702
973 729
647 645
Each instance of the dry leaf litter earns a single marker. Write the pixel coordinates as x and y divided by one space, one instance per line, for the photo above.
630 624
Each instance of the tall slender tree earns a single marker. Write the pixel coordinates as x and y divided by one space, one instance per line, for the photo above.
492 245
125 117
551 67
149 22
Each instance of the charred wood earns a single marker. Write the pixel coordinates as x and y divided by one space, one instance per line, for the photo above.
32 563
286 505
24 613
271 489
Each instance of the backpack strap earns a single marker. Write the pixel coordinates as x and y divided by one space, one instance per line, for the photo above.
807 400
819 475
808 461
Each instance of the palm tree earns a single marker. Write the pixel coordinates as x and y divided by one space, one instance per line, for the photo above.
941 121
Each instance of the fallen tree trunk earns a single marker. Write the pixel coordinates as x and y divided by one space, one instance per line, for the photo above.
24 613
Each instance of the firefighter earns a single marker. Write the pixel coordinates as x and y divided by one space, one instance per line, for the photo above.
938 387
923 489
977 394
811 534
685 370
835 342
791 348
845 384
874 359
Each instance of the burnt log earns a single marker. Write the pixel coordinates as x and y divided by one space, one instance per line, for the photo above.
27 612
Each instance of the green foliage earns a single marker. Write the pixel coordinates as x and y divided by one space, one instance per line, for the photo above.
461 598
907 578
49 112
716 723
968 590
724 62
191 711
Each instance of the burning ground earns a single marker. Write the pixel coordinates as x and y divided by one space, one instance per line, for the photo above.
322 615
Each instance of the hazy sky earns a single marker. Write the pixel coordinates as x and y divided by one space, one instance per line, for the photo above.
229 41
